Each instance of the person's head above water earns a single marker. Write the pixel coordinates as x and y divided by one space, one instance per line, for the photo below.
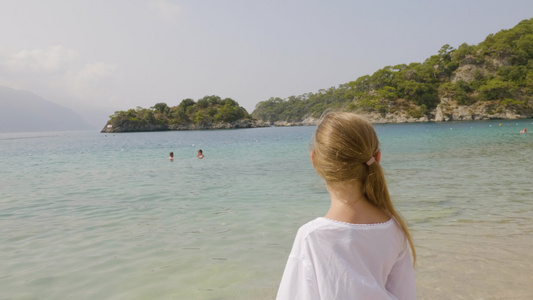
346 153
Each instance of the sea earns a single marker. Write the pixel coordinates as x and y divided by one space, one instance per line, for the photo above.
89 215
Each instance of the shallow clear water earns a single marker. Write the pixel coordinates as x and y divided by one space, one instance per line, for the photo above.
85 215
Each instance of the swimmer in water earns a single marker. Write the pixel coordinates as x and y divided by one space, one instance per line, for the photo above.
200 154
524 130
171 156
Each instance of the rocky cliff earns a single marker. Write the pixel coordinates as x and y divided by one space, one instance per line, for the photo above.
447 111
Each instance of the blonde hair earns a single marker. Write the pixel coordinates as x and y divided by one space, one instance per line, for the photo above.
343 143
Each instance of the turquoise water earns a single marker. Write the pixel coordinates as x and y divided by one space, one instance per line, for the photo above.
85 215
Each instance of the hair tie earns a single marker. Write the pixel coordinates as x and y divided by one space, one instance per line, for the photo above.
370 161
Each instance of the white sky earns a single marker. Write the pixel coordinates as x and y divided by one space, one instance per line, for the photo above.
103 55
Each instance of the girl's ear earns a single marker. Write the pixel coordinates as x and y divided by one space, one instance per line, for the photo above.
312 157
377 156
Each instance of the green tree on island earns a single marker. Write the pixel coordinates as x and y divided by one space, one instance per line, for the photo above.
207 110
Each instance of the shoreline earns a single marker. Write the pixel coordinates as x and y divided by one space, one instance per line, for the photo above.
307 122
132 127
384 120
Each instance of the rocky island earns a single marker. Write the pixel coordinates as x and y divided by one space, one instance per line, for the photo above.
210 112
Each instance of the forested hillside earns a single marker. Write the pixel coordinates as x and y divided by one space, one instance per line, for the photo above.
493 76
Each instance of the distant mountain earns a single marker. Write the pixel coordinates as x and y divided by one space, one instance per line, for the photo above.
23 111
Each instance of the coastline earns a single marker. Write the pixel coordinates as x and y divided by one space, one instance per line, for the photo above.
446 111
133 127
378 119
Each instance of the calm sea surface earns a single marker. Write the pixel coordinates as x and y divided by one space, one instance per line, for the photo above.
85 215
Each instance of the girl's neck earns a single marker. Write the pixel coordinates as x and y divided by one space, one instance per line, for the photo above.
349 205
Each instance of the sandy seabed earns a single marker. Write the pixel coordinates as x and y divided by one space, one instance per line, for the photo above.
474 265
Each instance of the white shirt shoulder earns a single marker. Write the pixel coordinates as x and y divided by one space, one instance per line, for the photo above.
336 260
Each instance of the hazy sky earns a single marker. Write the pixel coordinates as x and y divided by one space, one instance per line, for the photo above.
100 56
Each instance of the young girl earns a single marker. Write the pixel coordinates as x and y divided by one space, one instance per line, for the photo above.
360 248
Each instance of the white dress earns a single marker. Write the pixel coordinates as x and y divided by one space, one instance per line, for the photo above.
335 260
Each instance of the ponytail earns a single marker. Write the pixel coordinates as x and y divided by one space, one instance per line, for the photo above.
376 192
